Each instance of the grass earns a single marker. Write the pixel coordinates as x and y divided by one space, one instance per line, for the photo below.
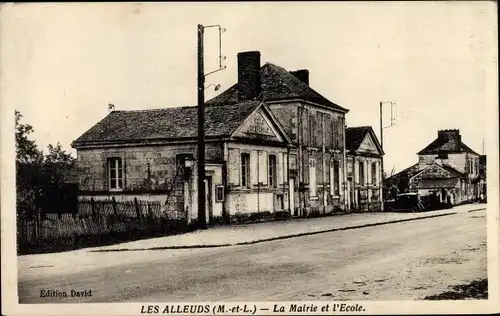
475 290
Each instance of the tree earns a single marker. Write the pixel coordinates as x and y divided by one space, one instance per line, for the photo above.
57 155
40 180
26 149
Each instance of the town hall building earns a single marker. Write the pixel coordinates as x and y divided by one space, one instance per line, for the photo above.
272 144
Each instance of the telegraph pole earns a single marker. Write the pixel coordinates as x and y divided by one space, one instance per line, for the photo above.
382 177
382 133
202 217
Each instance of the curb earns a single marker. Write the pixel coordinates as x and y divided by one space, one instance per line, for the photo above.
277 238
475 210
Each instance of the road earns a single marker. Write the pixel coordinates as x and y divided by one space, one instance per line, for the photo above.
401 261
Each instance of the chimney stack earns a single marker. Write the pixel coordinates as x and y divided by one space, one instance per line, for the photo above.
302 75
452 137
248 75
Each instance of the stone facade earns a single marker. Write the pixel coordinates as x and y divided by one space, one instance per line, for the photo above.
364 174
447 157
317 134
167 172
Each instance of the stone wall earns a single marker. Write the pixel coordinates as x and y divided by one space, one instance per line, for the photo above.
146 168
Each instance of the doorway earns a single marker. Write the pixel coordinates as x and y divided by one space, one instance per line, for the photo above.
351 193
291 195
209 201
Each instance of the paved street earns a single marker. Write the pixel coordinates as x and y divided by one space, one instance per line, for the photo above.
407 260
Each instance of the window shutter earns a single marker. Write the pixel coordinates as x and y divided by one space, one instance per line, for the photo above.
234 166
332 180
328 131
285 167
340 132
310 136
253 167
319 118
341 177
279 168
334 134
263 167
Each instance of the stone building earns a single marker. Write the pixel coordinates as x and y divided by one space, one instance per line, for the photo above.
483 192
272 143
151 155
314 124
364 169
447 171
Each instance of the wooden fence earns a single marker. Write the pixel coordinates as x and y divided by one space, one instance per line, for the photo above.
98 220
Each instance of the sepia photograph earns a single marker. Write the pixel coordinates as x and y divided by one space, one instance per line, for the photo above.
245 158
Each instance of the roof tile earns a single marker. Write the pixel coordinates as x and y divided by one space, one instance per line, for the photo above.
277 84
168 123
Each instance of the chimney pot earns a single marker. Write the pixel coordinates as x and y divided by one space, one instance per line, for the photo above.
249 84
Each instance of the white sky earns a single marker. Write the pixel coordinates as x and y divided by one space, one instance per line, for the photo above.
62 64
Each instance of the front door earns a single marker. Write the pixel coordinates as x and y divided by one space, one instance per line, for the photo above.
208 198
291 195
351 193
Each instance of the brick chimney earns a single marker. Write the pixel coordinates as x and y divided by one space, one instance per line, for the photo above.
248 75
452 138
302 75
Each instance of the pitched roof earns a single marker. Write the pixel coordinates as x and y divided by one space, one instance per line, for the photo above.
437 183
354 137
426 174
277 84
409 172
452 170
167 123
442 145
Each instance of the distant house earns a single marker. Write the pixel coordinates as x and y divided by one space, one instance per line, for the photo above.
399 183
151 155
482 178
364 176
447 171
317 179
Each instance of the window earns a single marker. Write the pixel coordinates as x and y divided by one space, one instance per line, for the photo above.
361 173
115 173
336 177
311 131
245 169
219 194
312 177
272 170
181 167
334 135
374 172
442 155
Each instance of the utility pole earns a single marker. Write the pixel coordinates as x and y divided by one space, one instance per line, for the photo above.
382 127
382 176
202 218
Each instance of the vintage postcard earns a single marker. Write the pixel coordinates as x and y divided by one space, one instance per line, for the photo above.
245 158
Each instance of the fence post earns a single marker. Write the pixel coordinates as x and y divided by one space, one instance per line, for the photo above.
137 210
38 224
113 203
92 206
